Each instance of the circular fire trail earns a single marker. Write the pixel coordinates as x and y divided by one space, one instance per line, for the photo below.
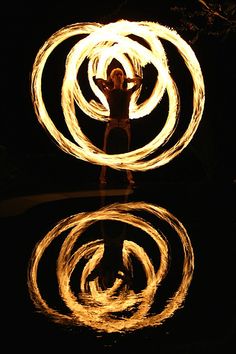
100 45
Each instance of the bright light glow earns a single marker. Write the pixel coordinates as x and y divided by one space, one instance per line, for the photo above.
102 44
98 308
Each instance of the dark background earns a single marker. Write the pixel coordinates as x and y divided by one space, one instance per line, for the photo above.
198 186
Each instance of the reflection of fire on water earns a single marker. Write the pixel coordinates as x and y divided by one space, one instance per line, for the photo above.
119 307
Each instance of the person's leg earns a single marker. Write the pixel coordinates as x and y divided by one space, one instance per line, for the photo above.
102 177
103 172
130 177
128 172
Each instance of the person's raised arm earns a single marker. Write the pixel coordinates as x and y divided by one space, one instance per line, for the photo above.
101 83
137 80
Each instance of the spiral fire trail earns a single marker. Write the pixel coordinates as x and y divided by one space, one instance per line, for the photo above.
98 308
102 44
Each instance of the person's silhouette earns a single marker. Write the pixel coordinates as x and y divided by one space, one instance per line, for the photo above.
118 97
111 265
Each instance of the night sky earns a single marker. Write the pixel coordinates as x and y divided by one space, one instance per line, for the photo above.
198 186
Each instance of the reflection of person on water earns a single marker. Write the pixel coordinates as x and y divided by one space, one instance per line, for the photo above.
118 97
111 266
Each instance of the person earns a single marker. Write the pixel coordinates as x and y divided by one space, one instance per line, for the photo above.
118 96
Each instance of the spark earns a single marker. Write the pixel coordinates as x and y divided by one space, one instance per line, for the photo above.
93 306
102 44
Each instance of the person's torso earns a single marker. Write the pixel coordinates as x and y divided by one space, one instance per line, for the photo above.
119 101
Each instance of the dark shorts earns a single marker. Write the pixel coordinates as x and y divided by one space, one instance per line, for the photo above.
119 123
117 136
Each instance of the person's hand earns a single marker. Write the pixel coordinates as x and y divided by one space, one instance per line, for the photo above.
133 79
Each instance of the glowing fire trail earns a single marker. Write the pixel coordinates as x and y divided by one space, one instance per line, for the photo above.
93 306
102 44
